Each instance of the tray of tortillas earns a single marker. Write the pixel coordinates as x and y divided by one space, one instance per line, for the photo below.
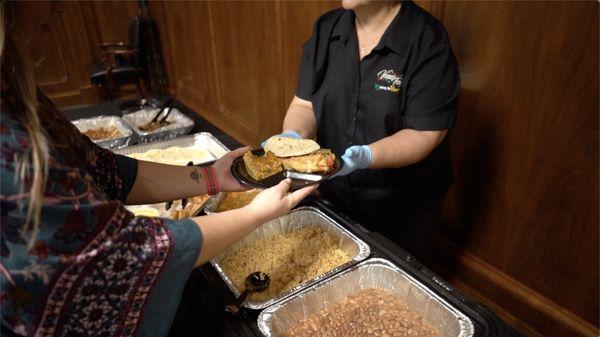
301 160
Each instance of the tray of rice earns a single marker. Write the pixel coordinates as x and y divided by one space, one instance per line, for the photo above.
296 251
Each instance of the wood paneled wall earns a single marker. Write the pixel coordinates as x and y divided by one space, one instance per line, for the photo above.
520 225
70 43
235 62
521 221
62 56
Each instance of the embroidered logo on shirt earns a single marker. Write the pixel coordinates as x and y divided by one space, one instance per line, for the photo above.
390 81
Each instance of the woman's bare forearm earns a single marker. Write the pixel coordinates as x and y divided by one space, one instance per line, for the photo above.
405 147
159 182
300 117
220 230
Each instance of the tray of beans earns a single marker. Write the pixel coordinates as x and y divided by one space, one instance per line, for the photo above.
107 131
372 298
296 251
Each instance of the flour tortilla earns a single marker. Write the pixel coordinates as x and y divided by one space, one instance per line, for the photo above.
290 147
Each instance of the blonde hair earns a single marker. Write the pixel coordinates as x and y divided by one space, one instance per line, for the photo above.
18 74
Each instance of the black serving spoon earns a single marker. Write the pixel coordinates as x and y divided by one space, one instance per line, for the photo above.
255 282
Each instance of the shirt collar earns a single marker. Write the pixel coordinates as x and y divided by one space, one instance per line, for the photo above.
395 36
344 27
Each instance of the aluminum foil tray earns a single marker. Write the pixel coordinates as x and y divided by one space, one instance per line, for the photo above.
203 140
213 203
180 125
304 216
372 273
86 124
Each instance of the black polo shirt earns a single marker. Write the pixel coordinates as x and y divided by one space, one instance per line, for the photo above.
410 80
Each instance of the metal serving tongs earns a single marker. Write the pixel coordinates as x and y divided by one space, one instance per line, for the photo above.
167 105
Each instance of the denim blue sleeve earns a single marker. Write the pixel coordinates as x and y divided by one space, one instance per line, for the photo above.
165 297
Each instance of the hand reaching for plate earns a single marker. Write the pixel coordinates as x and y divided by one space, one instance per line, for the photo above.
222 167
276 201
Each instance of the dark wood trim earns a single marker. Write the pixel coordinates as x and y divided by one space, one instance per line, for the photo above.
470 273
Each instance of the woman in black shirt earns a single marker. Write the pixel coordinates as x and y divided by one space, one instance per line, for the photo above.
378 85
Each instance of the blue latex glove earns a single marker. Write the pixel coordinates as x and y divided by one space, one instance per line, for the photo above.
287 134
356 157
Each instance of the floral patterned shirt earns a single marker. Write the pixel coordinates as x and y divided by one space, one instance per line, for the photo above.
93 269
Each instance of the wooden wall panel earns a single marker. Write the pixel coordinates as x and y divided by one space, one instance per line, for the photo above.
185 32
525 201
236 62
61 53
73 32
246 46
107 21
297 23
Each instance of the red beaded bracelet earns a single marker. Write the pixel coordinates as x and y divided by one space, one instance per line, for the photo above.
210 180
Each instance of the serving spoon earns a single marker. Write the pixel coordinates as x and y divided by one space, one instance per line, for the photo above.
255 282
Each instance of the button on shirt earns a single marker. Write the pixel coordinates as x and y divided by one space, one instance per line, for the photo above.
410 80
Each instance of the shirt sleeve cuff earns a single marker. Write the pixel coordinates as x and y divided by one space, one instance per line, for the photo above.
166 295
428 123
303 94
188 241
127 170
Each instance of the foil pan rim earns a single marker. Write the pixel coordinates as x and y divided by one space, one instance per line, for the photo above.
179 141
180 121
467 329
364 250
211 205
111 143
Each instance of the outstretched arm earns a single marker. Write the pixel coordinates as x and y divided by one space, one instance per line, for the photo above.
405 147
300 118
160 182
220 230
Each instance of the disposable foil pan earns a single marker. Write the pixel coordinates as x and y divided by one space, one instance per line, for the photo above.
357 249
213 203
373 273
180 124
86 124
203 140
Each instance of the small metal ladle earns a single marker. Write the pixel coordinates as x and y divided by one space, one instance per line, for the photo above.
255 282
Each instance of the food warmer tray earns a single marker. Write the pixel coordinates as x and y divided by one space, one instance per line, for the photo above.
125 139
298 218
203 140
180 124
208 286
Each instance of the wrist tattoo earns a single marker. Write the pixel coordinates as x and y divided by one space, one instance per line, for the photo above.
196 176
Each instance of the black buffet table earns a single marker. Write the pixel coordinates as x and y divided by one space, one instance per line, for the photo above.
201 312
